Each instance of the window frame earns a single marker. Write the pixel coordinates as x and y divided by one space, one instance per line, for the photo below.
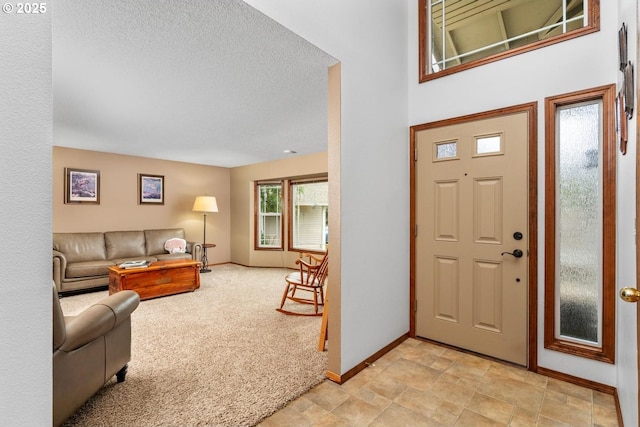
424 54
605 352
256 216
290 207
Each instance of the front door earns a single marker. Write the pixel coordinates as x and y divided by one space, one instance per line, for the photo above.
471 242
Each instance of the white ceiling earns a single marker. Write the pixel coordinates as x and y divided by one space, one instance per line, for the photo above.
202 81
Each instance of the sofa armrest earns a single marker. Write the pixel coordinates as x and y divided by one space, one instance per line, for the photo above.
196 251
99 319
59 268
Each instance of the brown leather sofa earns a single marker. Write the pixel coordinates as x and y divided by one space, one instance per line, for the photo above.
82 260
89 349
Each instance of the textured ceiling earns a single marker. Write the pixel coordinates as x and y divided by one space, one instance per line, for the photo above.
203 81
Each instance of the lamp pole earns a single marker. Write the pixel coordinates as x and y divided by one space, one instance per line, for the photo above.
204 236
205 261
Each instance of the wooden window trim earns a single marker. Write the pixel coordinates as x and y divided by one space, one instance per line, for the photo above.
292 182
606 353
256 214
424 61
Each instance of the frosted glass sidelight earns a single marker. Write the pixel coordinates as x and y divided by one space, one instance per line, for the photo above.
488 144
446 150
579 234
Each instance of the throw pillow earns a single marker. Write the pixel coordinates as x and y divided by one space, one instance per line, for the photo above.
175 246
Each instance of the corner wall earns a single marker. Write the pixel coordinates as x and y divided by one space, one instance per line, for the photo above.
242 205
25 218
119 208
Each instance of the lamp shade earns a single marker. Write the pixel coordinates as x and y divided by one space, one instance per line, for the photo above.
205 204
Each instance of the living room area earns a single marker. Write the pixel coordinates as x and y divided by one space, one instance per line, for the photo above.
217 355
230 316
221 355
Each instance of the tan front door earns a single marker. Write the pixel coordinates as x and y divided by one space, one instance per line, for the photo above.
471 197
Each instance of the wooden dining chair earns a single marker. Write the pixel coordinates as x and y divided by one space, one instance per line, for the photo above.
310 277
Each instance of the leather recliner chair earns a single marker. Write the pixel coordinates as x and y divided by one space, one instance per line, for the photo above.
89 349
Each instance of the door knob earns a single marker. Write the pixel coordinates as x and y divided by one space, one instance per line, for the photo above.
630 294
516 253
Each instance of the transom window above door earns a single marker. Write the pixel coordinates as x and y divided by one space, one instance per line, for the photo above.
456 35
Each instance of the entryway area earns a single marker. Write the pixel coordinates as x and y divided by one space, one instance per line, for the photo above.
423 384
472 256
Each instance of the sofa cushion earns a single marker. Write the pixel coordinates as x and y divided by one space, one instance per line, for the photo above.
155 239
88 268
124 244
79 247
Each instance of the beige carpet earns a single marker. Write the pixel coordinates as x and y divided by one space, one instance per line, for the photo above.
219 356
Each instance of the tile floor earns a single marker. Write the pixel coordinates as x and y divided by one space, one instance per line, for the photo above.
422 384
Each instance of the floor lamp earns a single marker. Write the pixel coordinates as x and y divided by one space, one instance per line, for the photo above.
205 204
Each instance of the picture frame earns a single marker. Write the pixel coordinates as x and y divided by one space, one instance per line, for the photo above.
629 91
150 189
622 46
622 121
81 186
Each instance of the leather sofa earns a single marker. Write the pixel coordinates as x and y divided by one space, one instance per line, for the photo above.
89 349
82 260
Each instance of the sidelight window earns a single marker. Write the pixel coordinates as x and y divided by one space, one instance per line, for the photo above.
580 224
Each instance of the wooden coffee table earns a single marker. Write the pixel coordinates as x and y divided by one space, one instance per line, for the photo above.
159 279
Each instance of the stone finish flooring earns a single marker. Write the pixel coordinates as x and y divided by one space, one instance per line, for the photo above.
422 384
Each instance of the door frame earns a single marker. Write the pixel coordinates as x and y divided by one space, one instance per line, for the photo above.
532 110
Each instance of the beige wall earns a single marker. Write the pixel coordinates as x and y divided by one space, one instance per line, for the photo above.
119 208
242 201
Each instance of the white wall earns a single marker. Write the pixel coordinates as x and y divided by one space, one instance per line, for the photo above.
366 36
369 39
582 63
627 357
25 219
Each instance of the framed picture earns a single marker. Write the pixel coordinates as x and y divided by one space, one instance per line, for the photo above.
621 122
622 46
150 189
81 186
629 90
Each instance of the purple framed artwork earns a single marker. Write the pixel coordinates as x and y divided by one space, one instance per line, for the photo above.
81 186
150 189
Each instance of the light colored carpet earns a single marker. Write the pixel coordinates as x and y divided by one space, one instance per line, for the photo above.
219 356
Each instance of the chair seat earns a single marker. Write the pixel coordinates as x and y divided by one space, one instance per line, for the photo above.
295 279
